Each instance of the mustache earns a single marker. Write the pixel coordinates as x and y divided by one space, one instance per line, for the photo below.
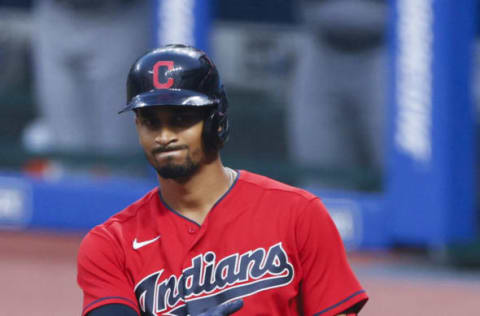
162 149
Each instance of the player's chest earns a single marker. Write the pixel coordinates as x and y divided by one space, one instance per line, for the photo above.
194 269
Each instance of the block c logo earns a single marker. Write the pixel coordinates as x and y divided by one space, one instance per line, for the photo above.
165 83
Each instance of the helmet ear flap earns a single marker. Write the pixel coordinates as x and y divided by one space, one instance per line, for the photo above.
215 130
223 129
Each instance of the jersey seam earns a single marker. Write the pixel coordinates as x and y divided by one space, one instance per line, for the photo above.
112 241
339 303
294 191
297 219
137 209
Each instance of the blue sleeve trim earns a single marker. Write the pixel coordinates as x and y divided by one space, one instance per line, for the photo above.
115 309
339 303
110 298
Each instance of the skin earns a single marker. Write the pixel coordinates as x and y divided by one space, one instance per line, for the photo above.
161 129
173 138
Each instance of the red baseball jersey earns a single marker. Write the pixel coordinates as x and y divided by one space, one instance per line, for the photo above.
271 244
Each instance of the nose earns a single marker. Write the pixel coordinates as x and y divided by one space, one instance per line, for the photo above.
165 136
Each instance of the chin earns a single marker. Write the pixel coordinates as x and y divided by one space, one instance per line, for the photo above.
177 171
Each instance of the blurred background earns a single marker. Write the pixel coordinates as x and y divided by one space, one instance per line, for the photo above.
370 104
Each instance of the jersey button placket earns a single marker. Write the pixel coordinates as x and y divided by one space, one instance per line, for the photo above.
196 233
188 263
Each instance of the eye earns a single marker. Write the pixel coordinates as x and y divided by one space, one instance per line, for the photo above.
185 119
150 122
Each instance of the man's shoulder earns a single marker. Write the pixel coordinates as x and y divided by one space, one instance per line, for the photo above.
264 183
113 236
125 218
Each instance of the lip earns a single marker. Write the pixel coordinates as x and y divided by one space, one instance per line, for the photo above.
168 152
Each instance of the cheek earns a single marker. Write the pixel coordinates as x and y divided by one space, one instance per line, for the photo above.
195 142
145 141
139 132
197 153
197 139
141 140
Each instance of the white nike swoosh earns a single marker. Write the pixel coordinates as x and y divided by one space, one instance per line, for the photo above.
138 245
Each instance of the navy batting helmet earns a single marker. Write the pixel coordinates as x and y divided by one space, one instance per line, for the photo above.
180 76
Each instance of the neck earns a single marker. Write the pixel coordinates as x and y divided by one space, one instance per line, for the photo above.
194 197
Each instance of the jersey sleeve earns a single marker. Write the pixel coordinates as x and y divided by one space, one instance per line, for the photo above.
101 273
328 285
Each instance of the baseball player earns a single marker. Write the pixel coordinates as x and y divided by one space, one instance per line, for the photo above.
209 240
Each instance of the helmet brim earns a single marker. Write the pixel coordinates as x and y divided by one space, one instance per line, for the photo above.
170 97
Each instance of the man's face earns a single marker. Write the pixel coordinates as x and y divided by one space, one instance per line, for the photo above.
172 139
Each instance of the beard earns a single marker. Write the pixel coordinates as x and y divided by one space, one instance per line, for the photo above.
177 171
